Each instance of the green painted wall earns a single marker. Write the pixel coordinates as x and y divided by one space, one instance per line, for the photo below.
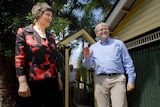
147 64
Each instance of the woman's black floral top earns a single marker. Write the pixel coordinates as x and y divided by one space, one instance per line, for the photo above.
35 57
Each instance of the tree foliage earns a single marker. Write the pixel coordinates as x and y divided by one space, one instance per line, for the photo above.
68 16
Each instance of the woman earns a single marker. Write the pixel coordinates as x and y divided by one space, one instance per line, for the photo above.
39 80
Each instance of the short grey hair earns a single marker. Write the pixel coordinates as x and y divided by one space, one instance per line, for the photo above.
101 23
39 8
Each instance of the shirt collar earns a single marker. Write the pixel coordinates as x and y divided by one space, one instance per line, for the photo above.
105 42
31 29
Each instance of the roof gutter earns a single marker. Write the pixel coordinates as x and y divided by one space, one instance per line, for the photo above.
115 11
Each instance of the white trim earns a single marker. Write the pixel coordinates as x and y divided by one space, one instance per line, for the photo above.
116 10
143 40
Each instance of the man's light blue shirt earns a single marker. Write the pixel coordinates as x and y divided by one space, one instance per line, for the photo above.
111 56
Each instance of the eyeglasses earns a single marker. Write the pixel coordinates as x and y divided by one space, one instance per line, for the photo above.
102 29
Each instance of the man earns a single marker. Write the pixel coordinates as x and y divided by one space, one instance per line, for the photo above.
112 61
72 84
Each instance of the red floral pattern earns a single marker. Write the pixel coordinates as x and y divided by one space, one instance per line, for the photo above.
35 57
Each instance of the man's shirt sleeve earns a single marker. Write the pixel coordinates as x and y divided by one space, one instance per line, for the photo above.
128 65
87 62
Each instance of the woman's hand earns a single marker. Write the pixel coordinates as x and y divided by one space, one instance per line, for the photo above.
24 90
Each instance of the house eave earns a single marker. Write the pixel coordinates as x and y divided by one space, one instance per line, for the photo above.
119 11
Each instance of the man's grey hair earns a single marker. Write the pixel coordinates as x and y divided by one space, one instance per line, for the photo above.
101 23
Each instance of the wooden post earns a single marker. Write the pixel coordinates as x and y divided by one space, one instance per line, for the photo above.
66 76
